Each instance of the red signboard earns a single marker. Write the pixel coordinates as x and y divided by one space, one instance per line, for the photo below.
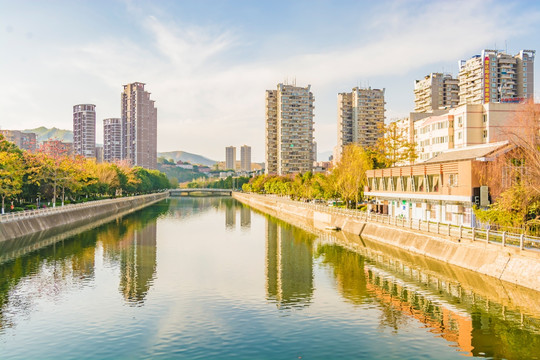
516 100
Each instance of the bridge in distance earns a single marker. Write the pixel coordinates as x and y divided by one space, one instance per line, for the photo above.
188 192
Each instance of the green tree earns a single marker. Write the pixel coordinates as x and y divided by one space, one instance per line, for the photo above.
12 171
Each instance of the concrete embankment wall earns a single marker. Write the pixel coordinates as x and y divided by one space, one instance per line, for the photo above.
75 216
504 263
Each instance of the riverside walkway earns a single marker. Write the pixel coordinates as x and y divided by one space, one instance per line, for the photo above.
521 241
28 214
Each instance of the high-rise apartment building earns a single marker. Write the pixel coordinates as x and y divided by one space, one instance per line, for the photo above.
436 91
112 139
360 113
495 76
24 141
245 158
230 157
289 130
139 126
84 130
99 154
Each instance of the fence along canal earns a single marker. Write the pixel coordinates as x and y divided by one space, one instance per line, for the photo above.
504 238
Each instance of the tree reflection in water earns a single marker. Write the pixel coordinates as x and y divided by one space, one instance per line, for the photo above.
129 242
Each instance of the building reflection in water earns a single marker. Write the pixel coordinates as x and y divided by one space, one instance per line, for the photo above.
289 264
138 262
132 245
230 216
245 217
403 294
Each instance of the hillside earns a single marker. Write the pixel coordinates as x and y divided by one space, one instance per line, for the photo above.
43 133
188 157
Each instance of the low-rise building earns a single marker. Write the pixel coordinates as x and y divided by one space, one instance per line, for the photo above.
442 189
184 165
24 141
321 167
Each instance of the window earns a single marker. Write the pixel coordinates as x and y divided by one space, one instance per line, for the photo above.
484 118
485 134
459 135
433 213
452 180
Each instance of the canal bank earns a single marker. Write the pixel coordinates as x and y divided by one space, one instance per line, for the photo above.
60 219
504 263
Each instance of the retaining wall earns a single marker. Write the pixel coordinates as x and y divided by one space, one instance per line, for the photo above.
72 216
504 263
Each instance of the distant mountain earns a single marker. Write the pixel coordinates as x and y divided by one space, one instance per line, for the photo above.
43 133
188 157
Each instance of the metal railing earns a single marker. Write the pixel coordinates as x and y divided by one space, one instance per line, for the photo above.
460 232
19 215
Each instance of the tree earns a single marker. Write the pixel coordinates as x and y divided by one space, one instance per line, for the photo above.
45 170
350 173
12 171
525 134
514 177
393 146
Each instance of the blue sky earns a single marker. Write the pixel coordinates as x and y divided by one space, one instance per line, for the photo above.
208 63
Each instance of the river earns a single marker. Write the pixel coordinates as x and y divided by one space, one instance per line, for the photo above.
210 278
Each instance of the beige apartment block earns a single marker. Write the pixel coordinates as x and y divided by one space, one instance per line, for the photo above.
436 91
289 130
112 139
245 158
495 76
139 126
24 141
271 132
360 113
84 130
461 127
230 158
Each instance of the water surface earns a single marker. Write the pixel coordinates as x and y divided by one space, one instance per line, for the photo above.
194 278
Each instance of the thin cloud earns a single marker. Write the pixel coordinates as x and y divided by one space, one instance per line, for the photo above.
207 98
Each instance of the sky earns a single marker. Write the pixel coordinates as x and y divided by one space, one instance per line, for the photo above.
208 63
